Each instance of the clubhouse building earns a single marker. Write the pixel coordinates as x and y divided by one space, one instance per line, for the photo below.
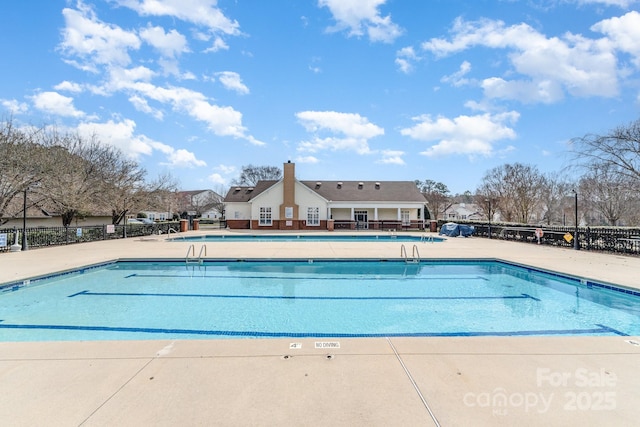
290 204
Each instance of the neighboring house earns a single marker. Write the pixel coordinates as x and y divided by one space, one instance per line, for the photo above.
200 203
211 211
155 215
464 212
290 204
39 216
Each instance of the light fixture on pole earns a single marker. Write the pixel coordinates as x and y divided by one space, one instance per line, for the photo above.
489 216
576 245
25 244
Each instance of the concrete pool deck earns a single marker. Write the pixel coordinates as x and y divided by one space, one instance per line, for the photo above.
374 382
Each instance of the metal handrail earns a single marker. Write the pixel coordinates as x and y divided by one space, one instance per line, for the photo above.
415 255
191 250
202 248
427 238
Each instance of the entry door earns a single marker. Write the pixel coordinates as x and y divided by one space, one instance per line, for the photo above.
362 221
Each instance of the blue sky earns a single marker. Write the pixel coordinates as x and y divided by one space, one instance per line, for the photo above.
347 89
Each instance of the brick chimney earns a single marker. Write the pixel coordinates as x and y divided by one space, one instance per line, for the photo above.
289 208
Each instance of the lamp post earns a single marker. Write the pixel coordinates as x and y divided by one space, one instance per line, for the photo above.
576 245
489 216
25 245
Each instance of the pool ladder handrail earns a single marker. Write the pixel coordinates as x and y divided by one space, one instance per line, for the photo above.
192 250
427 238
415 255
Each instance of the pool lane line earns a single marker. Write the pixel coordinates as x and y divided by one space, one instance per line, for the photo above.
413 383
348 276
285 297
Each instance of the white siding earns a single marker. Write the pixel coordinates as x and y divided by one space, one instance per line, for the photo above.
307 198
235 210
272 198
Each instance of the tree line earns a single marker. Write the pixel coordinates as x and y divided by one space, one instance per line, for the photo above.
73 176
604 174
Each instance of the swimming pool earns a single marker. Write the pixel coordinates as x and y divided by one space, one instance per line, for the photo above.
307 238
312 298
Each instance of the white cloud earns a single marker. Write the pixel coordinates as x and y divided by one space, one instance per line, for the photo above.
621 3
122 136
362 17
118 134
624 33
184 158
392 157
469 135
68 86
350 131
169 44
200 12
457 79
94 41
226 169
349 124
218 44
141 104
307 159
405 58
54 103
222 121
545 91
216 178
232 81
124 78
222 172
14 106
548 67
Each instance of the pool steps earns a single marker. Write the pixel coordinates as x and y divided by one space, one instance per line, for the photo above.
415 255
192 251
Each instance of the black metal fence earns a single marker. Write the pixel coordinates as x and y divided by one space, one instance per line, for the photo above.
605 239
623 240
39 237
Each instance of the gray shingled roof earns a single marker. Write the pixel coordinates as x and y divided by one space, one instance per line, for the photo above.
244 194
346 191
364 191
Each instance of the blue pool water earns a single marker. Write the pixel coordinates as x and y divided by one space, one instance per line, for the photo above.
321 298
307 238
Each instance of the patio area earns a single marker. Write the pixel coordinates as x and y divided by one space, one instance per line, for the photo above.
479 381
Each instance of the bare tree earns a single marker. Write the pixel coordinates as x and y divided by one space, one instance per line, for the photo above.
516 190
618 151
160 194
76 187
88 177
22 164
436 194
252 174
553 199
606 192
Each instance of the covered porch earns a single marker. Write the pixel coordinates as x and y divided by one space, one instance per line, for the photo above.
376 217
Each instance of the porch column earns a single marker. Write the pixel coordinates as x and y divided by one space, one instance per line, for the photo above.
399 214
329 212
375 214
353 215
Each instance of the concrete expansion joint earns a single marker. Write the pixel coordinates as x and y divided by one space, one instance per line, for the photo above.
413 383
